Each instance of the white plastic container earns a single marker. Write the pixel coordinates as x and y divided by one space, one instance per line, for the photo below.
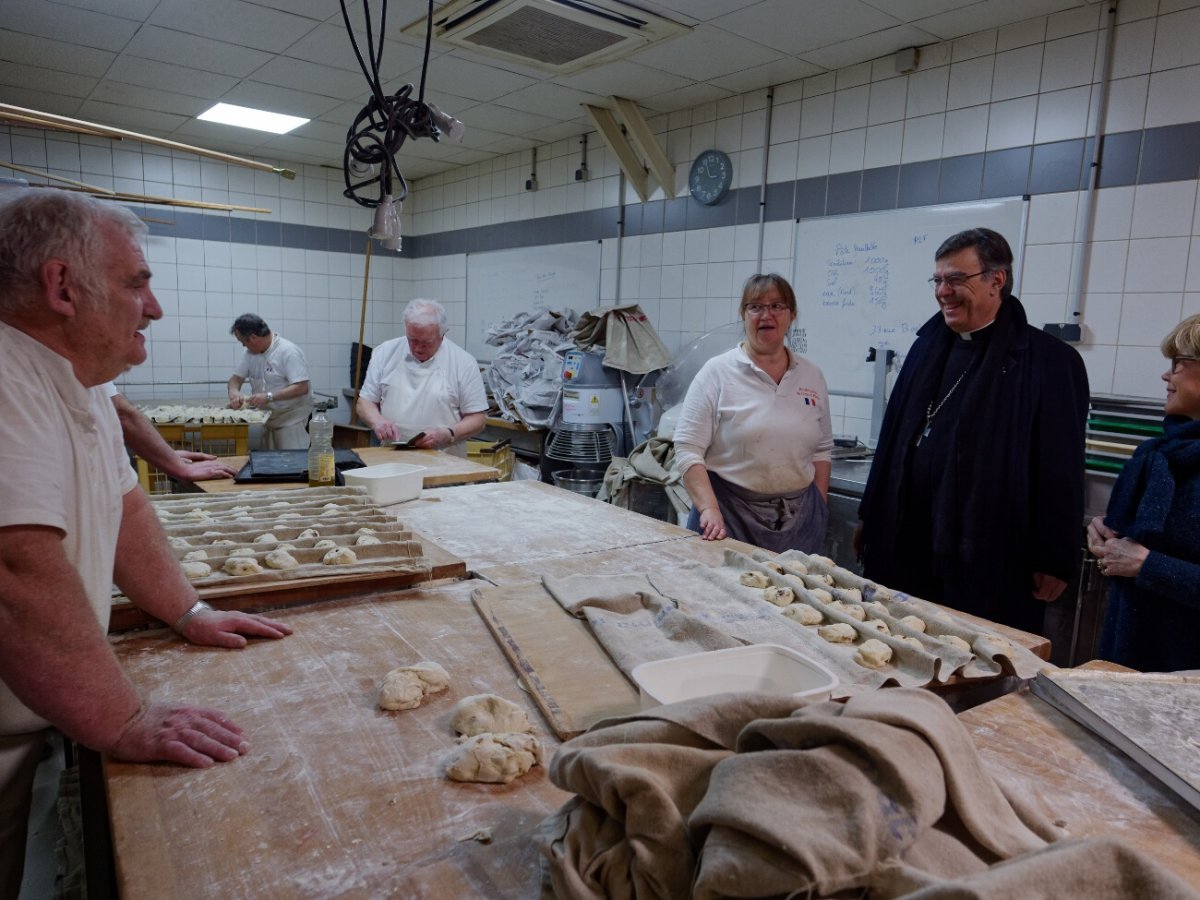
769 668
388 483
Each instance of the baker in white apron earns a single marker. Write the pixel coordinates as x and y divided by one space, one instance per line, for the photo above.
423 384
417 399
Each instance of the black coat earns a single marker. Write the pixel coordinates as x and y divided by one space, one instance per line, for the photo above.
1010 499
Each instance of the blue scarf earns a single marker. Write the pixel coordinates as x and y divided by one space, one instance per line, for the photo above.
1144 493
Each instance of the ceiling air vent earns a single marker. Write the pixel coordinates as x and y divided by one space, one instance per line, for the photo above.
559 36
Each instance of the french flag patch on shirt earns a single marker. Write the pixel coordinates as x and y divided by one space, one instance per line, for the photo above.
809 396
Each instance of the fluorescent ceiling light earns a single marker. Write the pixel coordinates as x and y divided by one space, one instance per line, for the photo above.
245 117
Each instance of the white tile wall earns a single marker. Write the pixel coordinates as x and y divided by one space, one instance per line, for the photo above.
1033 81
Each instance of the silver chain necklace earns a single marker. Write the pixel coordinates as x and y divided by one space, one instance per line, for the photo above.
931 410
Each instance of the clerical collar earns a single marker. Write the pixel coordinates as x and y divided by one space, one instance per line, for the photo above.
977 333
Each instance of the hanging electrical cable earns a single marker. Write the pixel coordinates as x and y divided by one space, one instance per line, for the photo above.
381 128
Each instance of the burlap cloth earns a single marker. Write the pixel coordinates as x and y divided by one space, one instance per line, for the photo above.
745 795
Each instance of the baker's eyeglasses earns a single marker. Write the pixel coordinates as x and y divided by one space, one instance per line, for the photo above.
1176 362
757 309
955 279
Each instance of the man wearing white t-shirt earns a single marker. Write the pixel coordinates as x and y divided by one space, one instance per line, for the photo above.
74 300
424 384
278 376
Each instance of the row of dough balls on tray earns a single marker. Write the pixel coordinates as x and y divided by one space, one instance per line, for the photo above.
495 742
200 515
244 560
206 415
871 653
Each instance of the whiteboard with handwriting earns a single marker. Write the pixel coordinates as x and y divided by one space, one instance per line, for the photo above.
503 283
861 280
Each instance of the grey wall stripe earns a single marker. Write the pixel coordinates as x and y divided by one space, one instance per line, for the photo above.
1153 155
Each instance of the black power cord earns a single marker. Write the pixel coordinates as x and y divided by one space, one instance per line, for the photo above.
385 122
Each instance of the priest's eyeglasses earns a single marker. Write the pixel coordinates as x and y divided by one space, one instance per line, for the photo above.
955 279
1177 361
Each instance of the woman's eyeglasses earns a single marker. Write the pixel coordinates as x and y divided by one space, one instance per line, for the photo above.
757 309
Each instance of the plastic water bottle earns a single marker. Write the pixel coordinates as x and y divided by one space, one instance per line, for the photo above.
321 471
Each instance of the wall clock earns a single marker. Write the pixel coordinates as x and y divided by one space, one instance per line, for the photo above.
711 176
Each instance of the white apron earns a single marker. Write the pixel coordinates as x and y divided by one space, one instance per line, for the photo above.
417 400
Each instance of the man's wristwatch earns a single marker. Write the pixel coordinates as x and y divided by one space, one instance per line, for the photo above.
270 397
453 437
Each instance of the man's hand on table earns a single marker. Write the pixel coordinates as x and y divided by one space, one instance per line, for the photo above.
386 431
188 735
202 466
221 628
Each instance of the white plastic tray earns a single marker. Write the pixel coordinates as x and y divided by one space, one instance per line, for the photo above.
770 668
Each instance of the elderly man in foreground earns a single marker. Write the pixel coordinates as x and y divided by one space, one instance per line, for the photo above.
74 298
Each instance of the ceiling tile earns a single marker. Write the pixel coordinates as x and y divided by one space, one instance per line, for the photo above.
299 75
37 79
552 100
321 10
493 117
43 101
779 72
910 10
705 53
881 43
39 51
234 21
169 46
280 100
623 78
46 19
793 26
699 10
137 10
470 79
109 91
329 45
130 117
987 14
684 98
165 76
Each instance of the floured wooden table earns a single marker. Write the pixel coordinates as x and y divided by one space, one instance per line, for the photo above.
441 469
1048 760
335 797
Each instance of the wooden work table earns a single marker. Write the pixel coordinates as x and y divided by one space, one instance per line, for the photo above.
1051 762
337 797
440 469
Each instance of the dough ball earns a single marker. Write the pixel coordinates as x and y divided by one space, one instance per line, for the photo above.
238 509
407 686
211 534
822 560
879 625
333 510
853 611
340 556
912 641
796 568
267 538
195 554
279 504
803 613
754 579
243 551
873 654
364 540
194 569
879 592
223 542
178 542
324 544
916 623
331 505
280 559
240 565
493 758
851 595
244 519
283 516
839 633
284 547
487 712
780 596
820 596
775 567
308 533
365 530
954 641
197 515
823 578
875 609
